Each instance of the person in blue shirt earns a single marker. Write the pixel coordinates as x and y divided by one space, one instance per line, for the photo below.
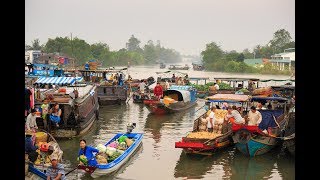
30 148
88 152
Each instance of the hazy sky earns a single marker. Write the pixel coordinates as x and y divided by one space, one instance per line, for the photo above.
184 25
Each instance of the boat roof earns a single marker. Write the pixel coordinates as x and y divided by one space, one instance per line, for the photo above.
283 87
263 98
58 80
228 98
169 73
177 87
237 79
267 80
198 78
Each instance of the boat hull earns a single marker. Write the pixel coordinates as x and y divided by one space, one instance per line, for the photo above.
110 95
290 146
252 144
115 165
160 108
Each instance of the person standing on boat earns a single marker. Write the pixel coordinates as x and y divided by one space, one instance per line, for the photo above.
45 110
55 113
173 78
56 170
158 91
142 85
211 119
27 94
234 116
216 86
167 85
87 151
120 80
254 117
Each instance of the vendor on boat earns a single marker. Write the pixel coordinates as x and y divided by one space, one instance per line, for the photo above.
55 112
30 148
234 116
87 151
211 120
254 117
56 170
142 86
158 91
31 123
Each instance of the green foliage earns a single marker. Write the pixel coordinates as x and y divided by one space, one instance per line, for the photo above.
83 52
215 59
212 53
224 86
133 44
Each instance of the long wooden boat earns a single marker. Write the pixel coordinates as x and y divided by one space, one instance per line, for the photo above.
183 97
289 138
112 94
205 143
178 67
251 140
37 169
78 114
116 164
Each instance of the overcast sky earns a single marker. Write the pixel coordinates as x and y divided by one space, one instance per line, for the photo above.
184 25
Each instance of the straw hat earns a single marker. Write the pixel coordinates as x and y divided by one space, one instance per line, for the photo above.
29 132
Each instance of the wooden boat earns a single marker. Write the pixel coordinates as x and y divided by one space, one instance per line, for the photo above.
289 133
178 67
113 166
201 142
162 66
109 94
37 169
197 66
78 114
182 98
251 140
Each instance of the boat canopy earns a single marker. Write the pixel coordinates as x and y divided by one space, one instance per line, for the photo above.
228 98
262 98
277 80
183 95
169 73
58 80
237 79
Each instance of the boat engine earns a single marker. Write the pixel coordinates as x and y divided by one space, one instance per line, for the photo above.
130 127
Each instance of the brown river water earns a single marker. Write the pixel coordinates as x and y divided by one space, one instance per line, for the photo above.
157 158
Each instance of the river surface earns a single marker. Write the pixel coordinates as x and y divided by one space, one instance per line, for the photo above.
157 158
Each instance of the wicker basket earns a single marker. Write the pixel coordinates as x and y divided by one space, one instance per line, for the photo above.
41 137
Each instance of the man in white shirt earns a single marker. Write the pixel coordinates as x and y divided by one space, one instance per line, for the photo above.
233 112
254 117
31 120
216 86
142 85
211 120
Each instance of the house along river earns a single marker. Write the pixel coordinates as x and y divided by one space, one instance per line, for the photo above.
159 159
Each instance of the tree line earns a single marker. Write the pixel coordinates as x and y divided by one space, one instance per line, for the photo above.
216 59
82 51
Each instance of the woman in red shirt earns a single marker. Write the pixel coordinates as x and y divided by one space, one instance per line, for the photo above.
158 91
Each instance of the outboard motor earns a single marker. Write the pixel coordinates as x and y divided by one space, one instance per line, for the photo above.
130 127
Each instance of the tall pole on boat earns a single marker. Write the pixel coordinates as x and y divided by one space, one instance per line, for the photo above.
73 62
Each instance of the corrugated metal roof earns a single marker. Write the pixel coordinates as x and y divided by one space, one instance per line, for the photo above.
252 62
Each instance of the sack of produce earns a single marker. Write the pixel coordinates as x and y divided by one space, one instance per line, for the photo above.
122 146
122 139
101 148
113 144
202 135
101 159
110 150
41 137
129 142
114 156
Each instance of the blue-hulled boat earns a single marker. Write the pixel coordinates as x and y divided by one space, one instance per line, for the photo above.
113 166
184 98
253 140
36 173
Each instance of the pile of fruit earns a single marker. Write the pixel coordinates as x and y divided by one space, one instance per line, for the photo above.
203 135
113 150
219 115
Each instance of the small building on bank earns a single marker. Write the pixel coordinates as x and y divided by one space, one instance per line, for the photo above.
285 60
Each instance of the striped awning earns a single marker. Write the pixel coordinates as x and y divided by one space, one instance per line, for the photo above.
58 80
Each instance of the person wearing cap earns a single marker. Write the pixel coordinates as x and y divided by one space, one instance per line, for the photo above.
56 170
254 117
31 123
